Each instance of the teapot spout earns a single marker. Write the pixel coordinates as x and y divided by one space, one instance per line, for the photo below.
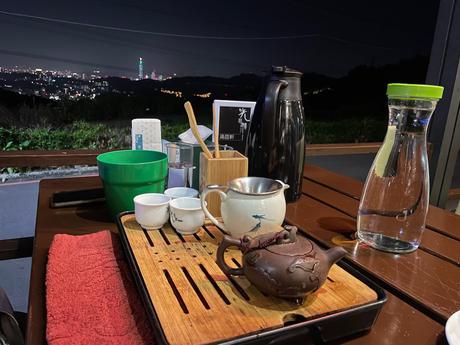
335 254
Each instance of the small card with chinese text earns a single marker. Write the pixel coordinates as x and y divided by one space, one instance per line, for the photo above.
233 118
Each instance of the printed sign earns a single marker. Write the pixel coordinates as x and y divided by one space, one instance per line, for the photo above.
233 118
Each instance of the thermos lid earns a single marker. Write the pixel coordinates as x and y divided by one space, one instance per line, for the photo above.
397 90
286 71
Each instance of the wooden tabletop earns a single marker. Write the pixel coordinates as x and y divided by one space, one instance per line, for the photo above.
423 287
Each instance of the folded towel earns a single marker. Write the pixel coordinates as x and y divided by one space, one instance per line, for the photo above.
90 295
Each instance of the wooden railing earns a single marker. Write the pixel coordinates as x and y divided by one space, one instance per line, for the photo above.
38 158
342 149
454 194
16 248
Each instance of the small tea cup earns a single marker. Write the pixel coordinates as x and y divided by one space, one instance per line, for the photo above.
151 210
181 192
186 215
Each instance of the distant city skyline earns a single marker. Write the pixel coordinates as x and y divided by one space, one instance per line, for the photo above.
134 76
57 85
213 38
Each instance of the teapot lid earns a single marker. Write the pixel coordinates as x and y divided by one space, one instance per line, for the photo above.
301 246
285 242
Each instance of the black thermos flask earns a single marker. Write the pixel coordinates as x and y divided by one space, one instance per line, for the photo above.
275 144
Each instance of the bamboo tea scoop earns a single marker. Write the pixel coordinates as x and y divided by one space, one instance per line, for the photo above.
216 133
194 128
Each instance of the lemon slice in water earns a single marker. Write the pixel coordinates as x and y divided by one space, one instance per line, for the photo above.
383 155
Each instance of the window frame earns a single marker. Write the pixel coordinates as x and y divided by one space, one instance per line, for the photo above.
444 69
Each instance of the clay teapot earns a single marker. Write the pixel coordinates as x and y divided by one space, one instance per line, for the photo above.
281 264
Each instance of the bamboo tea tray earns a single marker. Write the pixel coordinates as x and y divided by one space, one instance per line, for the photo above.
191 301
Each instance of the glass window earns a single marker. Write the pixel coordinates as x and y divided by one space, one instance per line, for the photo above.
74 75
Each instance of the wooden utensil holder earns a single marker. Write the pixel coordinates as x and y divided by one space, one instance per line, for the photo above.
229 166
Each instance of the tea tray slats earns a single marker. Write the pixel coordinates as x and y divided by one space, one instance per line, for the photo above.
196 303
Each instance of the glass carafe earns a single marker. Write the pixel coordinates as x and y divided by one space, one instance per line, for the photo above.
394 204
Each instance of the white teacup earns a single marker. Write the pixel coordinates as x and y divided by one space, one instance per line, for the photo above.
187 215
181 192
151 210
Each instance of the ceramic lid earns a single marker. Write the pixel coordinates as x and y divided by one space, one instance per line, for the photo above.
301 246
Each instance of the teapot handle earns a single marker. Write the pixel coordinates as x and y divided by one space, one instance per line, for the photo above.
209 189
227 241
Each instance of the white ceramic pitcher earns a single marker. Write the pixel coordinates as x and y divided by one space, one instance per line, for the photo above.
249 205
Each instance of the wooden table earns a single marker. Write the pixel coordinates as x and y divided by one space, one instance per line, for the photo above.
423 287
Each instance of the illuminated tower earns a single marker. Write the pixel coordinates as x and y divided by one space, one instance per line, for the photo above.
141 69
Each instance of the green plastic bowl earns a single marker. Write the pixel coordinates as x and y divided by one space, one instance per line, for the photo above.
128 173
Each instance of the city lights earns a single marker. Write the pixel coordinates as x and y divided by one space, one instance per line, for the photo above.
57 85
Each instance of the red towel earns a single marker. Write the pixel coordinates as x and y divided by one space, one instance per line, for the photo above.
90 295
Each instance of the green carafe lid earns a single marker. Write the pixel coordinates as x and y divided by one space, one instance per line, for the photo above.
397 90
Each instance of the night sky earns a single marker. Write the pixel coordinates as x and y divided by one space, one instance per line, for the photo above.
344 34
